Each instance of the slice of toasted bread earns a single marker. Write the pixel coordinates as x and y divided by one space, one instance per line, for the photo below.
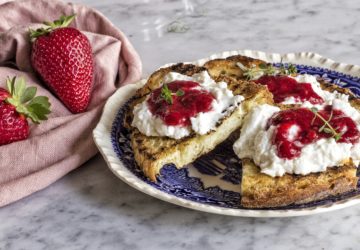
259 190
228 67
152 153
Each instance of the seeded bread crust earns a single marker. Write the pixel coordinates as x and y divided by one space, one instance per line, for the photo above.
152 153
228 66
259 190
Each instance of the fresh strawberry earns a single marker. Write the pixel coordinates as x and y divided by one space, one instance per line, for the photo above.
62 56
16 105
13 126
3 94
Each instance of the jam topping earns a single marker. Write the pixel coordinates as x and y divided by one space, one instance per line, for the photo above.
296 128
182 100
283 86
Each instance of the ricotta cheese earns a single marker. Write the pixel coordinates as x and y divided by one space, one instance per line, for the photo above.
224 103
255 142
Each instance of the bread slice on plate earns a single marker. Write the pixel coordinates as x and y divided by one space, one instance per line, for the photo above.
229 66
152 153
259 190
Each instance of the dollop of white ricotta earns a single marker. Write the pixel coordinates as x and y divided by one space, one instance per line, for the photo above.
223 103
255 142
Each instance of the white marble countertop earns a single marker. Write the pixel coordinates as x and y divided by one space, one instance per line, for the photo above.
91 209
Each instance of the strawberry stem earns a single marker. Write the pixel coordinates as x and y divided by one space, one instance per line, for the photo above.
62 22
25 101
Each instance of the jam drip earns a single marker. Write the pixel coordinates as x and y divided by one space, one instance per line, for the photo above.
297 128
283 86
193 100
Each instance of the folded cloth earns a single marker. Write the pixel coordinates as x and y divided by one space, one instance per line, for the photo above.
64 141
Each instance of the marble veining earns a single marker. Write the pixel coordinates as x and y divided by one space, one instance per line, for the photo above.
92 209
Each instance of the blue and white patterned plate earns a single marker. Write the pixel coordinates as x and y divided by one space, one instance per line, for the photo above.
212 183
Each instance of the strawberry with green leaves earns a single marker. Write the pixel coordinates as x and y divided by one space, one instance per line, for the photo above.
63 57
18 104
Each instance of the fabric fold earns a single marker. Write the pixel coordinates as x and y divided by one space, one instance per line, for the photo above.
64 141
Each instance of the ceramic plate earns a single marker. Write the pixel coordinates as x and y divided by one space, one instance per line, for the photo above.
212 183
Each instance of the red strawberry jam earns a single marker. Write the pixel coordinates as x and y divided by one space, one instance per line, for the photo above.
187 99
309 128
283 86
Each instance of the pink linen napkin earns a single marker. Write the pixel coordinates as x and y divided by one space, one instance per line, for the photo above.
64 142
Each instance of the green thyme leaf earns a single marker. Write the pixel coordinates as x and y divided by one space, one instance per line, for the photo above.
323 127
289 70
338 136
262 66
256 70
327 130
180 92
326 127
166 94
314 110
292 69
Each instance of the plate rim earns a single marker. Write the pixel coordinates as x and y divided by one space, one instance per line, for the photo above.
102 138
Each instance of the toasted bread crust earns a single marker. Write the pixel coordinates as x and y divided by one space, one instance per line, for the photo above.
152 153
228 66
354 101
156 78
260 190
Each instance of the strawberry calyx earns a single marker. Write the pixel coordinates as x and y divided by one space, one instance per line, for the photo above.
62 22
25 101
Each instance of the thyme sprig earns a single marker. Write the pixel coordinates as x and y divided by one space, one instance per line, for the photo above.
290 70
254 71
167 94
266 69
326 127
